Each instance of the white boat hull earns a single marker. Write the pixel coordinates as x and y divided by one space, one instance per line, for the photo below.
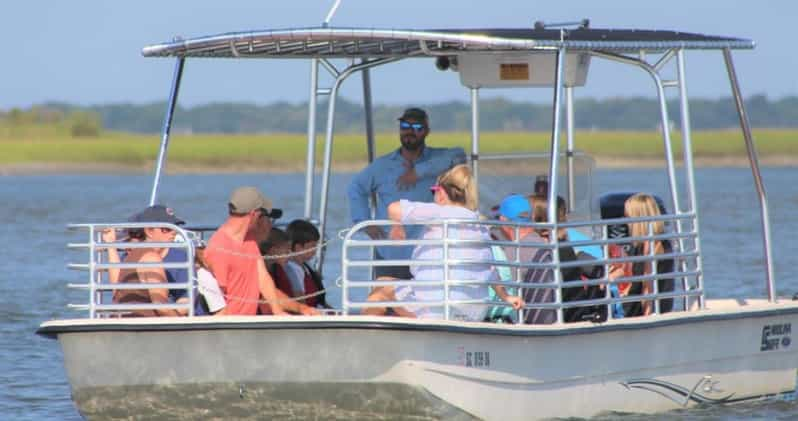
366 367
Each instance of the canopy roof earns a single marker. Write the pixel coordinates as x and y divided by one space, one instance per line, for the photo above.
364 42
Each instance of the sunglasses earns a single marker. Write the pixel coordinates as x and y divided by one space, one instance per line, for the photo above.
435 188
273 214
417 127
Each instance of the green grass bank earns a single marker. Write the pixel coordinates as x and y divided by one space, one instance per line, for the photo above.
51 149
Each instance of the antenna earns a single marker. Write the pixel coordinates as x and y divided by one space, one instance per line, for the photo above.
330 14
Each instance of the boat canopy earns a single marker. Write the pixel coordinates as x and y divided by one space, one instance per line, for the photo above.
340 42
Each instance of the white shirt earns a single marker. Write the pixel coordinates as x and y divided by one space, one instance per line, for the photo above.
209 288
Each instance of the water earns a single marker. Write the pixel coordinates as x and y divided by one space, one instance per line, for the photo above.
37 208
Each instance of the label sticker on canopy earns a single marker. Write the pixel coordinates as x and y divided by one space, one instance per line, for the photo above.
514 71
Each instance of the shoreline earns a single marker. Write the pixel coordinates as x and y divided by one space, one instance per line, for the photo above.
40 168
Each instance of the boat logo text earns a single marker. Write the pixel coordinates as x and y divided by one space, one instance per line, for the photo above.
776 336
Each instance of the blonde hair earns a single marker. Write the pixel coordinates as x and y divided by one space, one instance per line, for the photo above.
460 186
642 205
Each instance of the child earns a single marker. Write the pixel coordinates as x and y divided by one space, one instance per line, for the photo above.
210 299
304 238
274 251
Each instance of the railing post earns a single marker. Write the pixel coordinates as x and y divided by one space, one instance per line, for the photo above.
92 273
446 309
652 253
608 288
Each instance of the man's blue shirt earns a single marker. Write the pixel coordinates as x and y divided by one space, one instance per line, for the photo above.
380 177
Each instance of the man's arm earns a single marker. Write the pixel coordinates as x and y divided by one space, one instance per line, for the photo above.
359 192
440 161
268 290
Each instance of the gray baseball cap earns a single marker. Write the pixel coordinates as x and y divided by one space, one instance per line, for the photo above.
245 199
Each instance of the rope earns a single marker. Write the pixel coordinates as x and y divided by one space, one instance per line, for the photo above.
285 255
260 301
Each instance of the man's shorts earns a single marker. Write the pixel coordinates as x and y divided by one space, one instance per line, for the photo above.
398 272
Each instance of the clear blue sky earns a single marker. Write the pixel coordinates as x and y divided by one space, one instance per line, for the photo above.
89 52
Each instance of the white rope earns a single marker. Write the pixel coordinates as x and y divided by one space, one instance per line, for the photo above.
281 256
264 301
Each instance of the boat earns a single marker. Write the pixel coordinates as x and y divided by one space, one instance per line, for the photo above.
347 365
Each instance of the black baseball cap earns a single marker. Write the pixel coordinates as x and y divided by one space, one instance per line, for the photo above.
157 213
414 114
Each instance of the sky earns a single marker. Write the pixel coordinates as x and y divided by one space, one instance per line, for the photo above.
89 52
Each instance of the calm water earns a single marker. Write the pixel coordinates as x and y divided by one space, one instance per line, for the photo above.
37 208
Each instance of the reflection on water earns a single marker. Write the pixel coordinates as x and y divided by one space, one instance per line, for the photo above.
37 208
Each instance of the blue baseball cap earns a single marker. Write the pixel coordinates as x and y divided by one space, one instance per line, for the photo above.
515 207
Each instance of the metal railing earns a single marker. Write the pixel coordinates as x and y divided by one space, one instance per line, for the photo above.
680 232
99 267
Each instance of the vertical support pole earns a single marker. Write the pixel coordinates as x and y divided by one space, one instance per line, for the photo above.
325 180
569 153
370 148
692 204
475 137
553 171
666 138
310 165
760 186
167 127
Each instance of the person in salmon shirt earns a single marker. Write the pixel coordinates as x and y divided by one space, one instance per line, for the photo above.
233 254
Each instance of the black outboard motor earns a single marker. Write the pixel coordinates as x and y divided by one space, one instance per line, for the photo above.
612 206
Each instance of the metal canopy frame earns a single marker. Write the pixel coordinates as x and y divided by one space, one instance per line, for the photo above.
376 47
341 42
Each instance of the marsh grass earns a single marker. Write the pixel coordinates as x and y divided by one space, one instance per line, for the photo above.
53 145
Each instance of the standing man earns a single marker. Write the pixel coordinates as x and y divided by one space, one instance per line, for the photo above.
233 255
407 173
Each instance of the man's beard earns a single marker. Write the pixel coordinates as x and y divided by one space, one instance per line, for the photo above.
412 143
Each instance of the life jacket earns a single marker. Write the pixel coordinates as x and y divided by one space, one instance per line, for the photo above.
313 284
281 282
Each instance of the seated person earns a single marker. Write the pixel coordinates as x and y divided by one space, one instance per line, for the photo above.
545 275
149 275
304 240
644 205
210 299
237 264
275 251
454 197
514 208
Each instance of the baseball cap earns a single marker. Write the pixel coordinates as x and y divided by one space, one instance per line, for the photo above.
157 213
245 199
414 114
515 207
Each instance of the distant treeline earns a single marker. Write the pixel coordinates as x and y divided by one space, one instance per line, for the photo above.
495 115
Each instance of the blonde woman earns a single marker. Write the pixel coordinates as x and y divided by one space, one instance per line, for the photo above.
454 198
639 206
